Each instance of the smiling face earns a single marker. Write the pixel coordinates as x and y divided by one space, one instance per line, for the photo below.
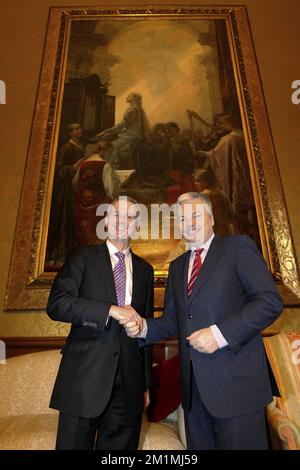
122 220
196 222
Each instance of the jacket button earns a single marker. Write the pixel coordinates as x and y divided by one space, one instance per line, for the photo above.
115 353
190 316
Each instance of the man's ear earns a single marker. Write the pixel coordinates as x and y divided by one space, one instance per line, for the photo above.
138 223
212 220
138 226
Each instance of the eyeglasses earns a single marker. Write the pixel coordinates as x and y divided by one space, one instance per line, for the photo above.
127 216
194 217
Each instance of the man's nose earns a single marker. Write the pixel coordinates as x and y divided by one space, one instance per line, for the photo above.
188 225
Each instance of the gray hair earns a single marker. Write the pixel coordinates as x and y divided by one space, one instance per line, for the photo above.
196 195
126 198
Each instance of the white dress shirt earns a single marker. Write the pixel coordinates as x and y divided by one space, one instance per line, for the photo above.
221 341
215 330
128 266
193 249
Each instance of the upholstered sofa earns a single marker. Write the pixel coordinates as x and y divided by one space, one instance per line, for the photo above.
26 422
283 413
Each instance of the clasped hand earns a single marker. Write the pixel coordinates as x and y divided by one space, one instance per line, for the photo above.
202 340
129 318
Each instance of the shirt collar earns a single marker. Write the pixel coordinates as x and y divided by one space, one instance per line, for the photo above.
205 245
113 250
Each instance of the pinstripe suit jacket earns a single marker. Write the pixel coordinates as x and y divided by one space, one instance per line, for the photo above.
235 291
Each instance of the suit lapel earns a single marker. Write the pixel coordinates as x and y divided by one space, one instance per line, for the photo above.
186 261
180 273
136 277
104 264
212 257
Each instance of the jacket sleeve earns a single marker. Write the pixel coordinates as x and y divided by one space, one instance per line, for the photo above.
149 308
165 326
264 303
65 303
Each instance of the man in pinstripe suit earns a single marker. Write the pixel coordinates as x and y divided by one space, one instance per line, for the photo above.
219 296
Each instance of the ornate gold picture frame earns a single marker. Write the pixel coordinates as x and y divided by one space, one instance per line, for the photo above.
29 280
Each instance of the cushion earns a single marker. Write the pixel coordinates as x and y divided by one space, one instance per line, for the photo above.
28 432
165 394
26 383
159 436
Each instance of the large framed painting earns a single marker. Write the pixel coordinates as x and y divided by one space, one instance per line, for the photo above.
148 102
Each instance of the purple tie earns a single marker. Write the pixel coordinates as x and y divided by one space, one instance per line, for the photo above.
120 278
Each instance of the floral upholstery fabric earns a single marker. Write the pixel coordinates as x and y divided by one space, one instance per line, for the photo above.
27 422
283 351
26 383
28 432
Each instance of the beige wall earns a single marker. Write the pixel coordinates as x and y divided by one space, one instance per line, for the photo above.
276 35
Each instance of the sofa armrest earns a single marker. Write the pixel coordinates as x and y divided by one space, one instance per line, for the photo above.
284 429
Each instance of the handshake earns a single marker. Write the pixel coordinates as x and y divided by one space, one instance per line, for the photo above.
202 340
129 318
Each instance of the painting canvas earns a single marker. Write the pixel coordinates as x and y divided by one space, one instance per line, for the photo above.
148 102
159 99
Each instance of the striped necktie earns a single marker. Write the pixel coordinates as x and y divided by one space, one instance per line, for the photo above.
120 278
195 270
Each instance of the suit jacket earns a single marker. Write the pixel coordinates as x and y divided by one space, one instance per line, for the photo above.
82 294
235 291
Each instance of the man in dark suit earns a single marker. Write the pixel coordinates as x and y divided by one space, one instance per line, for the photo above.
219 296
103 373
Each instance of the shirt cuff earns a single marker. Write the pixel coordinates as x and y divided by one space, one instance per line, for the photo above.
144 331
221 341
